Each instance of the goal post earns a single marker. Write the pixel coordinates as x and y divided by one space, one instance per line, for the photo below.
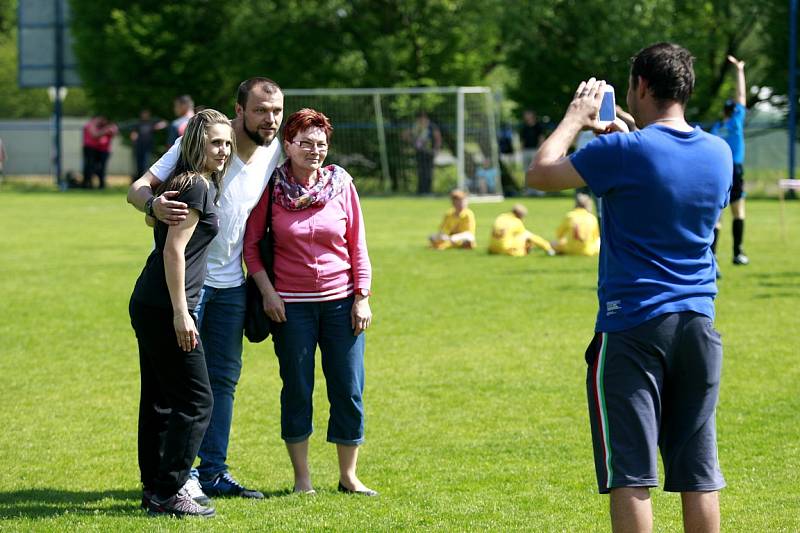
381 136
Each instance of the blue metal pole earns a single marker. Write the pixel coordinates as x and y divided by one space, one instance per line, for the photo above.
59 48
792 82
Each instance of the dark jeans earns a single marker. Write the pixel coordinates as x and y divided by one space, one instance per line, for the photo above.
141 156
175 404
220 314
327 324
94 163
424 172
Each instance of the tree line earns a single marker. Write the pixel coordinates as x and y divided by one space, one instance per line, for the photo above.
142 53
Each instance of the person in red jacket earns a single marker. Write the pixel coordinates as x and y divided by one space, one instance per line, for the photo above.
97 136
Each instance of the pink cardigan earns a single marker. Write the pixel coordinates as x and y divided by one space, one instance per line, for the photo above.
320 252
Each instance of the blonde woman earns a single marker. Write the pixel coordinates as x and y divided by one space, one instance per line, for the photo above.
176 401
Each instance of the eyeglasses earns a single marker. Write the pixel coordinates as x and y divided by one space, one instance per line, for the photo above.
308 146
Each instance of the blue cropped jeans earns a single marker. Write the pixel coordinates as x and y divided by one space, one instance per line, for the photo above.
328 325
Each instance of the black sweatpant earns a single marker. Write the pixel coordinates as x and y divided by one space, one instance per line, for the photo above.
175 403
424 172
94 163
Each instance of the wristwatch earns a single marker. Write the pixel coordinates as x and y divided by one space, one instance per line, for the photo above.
148 207
364 292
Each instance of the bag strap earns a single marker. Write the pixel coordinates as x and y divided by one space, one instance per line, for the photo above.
270 188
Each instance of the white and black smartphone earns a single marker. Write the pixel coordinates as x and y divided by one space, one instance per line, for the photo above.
608 107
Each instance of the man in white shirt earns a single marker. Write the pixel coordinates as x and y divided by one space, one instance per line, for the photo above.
221 311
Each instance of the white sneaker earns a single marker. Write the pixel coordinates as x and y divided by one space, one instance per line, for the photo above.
195 491
180 504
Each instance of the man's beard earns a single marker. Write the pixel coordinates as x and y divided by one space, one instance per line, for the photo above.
254 136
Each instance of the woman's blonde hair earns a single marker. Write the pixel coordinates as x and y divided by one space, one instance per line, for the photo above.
192 160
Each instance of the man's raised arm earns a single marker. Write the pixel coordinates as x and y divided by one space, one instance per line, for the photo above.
741 87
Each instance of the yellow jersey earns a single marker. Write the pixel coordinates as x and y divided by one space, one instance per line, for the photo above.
458 223
509 236
578 234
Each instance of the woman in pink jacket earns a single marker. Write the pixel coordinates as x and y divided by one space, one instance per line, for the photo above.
319 296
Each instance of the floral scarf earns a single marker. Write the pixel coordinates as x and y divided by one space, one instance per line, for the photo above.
331 180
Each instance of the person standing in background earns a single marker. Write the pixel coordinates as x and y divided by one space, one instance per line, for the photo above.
731 128
505 142
427 140
531 134
184 110
2 158
141 136
97 136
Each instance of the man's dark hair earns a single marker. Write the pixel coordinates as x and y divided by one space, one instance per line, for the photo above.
265 84
668 69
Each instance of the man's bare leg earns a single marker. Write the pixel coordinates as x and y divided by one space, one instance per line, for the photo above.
631 510
700 512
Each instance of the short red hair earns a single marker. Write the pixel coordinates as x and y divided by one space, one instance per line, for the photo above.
306 119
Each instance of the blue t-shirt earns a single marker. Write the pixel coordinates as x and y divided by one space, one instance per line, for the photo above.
732 130
662 192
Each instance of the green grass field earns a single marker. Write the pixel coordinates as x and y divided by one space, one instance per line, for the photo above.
477 416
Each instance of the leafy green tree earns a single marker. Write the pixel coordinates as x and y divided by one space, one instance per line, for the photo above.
136 54
426 42
142 53
558 43
776 74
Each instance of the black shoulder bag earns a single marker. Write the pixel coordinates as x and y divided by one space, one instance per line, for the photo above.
257 324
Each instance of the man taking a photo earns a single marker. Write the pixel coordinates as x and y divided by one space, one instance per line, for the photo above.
654 362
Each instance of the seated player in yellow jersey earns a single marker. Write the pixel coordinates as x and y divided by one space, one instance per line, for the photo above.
579 233
509 236
458 227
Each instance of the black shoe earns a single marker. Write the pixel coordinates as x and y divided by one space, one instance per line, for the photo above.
368 492
225 485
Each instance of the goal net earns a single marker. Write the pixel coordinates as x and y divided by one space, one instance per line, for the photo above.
410 140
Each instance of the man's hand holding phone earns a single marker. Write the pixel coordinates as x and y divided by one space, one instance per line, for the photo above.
585 106
594 108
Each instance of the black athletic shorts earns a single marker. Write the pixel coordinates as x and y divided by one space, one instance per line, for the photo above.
655 387
737 191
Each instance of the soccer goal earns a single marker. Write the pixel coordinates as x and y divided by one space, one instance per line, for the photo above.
410 140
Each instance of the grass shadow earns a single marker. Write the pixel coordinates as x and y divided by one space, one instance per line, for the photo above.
42 503
278 493
51 188
777 279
